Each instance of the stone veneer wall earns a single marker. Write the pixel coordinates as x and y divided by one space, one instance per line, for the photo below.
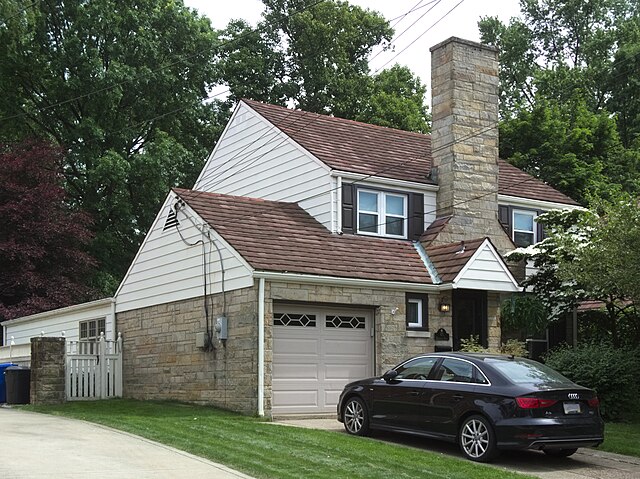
161 360
47 370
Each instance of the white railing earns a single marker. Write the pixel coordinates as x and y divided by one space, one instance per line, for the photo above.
94 369
16 353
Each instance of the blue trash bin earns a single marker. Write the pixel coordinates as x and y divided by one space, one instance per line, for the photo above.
3 388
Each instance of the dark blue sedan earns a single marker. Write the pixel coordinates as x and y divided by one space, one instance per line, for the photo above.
483 402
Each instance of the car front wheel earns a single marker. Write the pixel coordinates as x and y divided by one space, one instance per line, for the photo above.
355 417
477 439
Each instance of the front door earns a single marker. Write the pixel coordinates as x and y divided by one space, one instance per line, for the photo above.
469 316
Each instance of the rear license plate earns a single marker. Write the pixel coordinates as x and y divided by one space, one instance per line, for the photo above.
571 408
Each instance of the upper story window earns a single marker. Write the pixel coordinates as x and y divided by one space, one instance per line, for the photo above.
382 214
525 228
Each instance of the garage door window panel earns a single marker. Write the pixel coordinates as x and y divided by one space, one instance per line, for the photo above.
345 322
295 320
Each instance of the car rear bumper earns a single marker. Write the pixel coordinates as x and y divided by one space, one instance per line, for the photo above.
537 433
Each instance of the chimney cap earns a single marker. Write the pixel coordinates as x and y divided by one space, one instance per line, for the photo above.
464 42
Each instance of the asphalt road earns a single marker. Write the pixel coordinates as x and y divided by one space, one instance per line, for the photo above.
37 446
585 464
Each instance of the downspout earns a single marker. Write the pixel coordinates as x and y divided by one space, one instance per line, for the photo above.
261 347
339 204
113 319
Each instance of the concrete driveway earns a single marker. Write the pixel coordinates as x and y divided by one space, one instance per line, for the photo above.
36 446
585 464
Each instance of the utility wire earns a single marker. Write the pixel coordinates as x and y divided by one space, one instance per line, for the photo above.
419 36
19 12
395 39
169 65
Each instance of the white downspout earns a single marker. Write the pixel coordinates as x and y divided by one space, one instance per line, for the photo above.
339 204
261 347
114 331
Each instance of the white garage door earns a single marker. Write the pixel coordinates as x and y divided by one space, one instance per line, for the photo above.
316 351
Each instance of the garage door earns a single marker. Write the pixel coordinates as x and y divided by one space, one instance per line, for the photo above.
316 351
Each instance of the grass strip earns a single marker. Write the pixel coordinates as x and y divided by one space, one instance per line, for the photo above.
270 451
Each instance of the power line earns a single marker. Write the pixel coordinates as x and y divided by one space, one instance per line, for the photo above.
141 75
397 37
419 37
19 12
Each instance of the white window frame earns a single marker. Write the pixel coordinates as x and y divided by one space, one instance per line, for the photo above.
420 322
382 213
97 329
534 215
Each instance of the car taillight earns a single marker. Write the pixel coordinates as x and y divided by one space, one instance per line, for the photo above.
594 402
534 403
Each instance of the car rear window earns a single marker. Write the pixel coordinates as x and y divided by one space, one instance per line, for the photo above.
525 371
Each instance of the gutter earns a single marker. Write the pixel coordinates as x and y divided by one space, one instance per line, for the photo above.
261 347
355 282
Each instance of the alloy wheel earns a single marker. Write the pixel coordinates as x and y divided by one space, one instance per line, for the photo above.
355 420
475 438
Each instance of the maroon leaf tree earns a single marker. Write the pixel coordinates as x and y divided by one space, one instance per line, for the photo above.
43 259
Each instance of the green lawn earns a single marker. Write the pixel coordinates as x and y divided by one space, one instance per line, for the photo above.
266 450
623 438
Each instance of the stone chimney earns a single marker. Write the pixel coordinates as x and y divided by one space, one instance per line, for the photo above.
464 85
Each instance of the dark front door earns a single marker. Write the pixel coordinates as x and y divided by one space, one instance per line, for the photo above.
469 316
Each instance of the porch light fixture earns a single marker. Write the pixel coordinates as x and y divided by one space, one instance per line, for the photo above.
444 306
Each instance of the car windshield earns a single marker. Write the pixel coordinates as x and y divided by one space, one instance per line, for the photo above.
525 371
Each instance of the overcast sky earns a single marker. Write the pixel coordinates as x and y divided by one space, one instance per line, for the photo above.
461 22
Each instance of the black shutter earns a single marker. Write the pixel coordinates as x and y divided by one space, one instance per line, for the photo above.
504 216
416 216
540 234
348 208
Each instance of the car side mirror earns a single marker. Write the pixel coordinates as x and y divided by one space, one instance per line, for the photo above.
390 375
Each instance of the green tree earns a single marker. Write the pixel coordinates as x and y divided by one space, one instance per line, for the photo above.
120 86
314 55
591 254
569 89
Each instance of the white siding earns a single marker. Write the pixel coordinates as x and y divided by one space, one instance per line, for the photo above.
21 330
166 269
254 159
485 271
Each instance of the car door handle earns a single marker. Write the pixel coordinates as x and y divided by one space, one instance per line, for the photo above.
414 393
458 397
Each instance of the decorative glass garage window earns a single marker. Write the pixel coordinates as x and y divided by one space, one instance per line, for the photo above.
349 322
91 330
290 319
383 214
524 228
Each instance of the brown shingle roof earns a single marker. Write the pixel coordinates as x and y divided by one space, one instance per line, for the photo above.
513 181
450 259
378 151
282 237
353 146
434 229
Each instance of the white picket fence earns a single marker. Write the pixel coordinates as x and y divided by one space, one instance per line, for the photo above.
94 369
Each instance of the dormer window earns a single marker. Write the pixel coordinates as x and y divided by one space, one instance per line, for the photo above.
382 214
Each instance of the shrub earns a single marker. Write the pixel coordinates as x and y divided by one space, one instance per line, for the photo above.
512 347
612 372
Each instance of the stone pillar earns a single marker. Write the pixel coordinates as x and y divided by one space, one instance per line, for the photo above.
47 370
464 83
